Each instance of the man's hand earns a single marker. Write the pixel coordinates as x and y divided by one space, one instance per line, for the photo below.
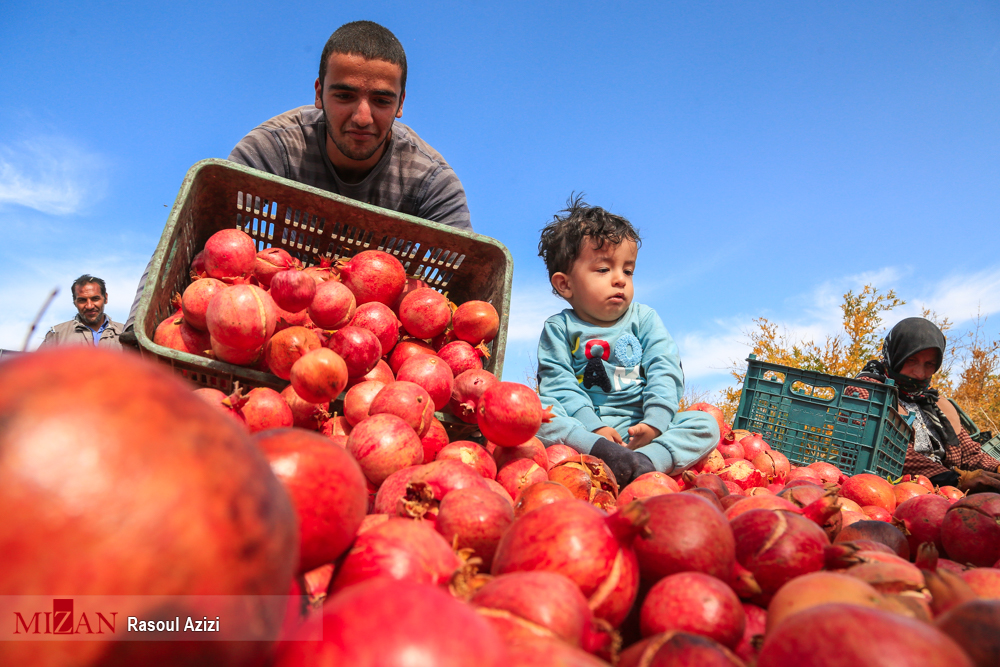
641 435
625 464
610 434
978 481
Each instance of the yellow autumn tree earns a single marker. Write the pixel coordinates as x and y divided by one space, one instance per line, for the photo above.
977 389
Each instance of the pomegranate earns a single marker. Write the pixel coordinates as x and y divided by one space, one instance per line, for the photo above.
461 357
975 626
358 347
319 375
496 488
373 276
381 373
753 634
828 472
777 546
985 581
693 602
332 306
408 401
432 374
471 454
305 414
970 531
522 603
519 474
425 313
811 590
474 519
559 453
772 463
434 440
711 462
876 513
381 321
195 301
730 448
383 444
292 290
578 540
476 322
676 649
705 481
271 261
167 497
432 483
510 413
229 253
358 401
866 489
233 355
753 445
876 531
951 493
175 333
231 405
686 533
327 489
466 390
906 490
422 628
743 474
286 347
407 348
848 634
322 272
646 485
762 502
265 409
538 494
531 449
547 651
411 285
803 474
392 490
241 317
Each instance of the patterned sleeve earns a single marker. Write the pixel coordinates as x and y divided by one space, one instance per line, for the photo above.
972 455
918 464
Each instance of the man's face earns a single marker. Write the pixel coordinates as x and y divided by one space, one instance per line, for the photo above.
90 303
360 99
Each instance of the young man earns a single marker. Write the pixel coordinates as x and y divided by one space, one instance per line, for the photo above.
347 142
90 326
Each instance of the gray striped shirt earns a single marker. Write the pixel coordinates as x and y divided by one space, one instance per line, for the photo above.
411 177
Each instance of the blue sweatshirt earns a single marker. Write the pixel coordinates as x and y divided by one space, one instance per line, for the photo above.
631 368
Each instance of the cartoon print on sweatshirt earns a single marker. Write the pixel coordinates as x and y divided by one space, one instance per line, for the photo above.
627 369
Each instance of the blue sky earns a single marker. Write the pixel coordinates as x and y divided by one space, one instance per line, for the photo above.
773 154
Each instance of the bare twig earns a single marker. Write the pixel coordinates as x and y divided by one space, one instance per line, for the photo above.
38 317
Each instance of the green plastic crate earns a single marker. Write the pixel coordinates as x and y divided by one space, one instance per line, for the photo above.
311 224
992 447
807 416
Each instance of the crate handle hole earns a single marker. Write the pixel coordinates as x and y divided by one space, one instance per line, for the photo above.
823 393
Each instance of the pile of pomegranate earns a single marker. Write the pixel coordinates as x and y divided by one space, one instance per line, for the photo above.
412 547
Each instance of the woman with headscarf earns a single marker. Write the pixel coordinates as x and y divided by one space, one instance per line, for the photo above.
940 448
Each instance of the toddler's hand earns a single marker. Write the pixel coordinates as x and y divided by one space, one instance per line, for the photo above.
610 434
641 435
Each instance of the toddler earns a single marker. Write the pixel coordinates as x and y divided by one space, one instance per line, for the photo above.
607 364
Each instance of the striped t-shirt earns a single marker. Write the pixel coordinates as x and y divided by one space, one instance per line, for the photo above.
411 177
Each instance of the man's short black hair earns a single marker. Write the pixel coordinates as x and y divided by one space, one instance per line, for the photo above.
367 39
563 238
86 279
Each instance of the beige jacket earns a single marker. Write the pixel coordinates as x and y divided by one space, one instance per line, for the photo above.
75 332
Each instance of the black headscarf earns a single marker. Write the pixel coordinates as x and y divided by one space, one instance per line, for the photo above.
912 335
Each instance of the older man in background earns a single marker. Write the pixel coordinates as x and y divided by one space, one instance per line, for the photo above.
91 326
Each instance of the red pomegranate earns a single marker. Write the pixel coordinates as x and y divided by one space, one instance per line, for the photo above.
762 502
427 626
400 549
906 490
373 276
753 445
476 322
167 497
432 374
876 531
381 373
578 540
876 513
411 284
229 253
970 531
265 409
434 440
408 401
772 463
730 448
305 414
466 391
287 346
332 306
270 261
474 519
509 413
425 313
292 290
867 489
743 474
471 454
646 485
231 405
358 347
753 634
520 474
392 489
461 357
381 321
358 401
241 317
951 493
686 533
848 634
496 488
776 547
195 301
985 581
538 494
319 375
816 588
559 453
711 462
383 444
975 626
828 472
693 602
237 356
677 649
407 348
531 449
804 475
327 489
175 333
